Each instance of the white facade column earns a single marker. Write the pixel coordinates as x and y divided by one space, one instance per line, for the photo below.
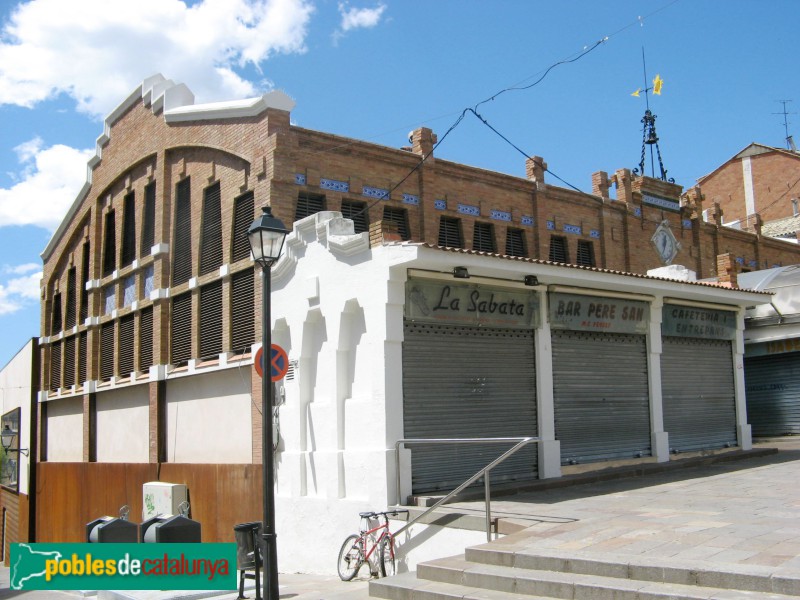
659 439
549 447
393 382
744 432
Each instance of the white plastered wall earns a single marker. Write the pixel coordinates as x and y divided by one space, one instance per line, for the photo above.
123 425
65 430
15 392
208 418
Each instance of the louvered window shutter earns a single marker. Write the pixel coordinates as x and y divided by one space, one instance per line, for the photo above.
128 230
242 311
585 253
69 362
398 216
211 319
211 237
450 232
58 322
483 237
558 249
243 216
109 245
308 204
126 345
149 221
357 212
515 243
182 253
55 366
146 339
84 279
107 351
69 321
83 338
181 322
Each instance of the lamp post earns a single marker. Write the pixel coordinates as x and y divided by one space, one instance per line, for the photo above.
266 235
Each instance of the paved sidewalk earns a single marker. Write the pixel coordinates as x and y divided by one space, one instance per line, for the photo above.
743 512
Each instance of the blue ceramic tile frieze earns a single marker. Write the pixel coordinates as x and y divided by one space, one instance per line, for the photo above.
334 185
575 229
595 234
739 260
500 215
299 179
637 211
468 209
551 225
375 192
753 264
411 199
440 204
526 220
687 223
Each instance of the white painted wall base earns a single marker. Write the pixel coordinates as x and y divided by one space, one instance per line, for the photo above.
659 441
744 433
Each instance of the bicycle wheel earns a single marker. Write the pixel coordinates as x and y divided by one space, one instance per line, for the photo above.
386 554
350 558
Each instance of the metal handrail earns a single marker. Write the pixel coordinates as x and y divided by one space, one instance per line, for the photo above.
521 442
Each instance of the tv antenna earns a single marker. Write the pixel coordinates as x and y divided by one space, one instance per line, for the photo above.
649 136
789 141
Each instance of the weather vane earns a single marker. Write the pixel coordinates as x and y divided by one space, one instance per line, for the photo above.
649 136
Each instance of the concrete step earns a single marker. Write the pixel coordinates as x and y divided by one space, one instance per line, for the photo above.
751 578
554 575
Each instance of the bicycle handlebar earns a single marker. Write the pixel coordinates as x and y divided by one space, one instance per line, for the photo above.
386 513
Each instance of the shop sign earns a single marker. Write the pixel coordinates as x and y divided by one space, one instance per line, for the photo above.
470 304
773 347
693 322
595 313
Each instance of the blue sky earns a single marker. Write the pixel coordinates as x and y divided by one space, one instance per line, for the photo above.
375 70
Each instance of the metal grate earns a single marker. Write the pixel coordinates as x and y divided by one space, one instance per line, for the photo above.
357 212
146 339
69 362
126 345
83 338
308 204
558 249
398 216
483 237
243 329
182 252
211 237
128 252
243 210
149 224
585 253
181 321
211 319
515 242
107 351
450 232
109 244
55 366
58 322
69 321
84 280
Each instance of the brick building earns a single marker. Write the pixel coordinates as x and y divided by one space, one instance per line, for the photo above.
151 304
759 180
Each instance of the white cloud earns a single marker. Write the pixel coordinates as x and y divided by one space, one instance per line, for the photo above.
19 291
21 269
354 18
47 185
357 18
97 51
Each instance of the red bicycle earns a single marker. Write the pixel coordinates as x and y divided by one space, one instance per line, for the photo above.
359 548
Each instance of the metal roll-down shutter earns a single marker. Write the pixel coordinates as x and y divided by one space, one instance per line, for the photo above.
468 382
601 397
697 392
773 394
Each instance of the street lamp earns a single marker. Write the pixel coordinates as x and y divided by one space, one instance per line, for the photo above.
7 439
266 235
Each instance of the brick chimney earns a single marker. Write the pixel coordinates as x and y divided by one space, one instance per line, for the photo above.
535 168
422 142
726 270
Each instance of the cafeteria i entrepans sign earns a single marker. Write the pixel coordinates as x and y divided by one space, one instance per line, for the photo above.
470 304
693 322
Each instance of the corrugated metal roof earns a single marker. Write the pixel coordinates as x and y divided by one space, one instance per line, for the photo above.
784 283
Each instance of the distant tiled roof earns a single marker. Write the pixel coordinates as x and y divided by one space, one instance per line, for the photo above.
786 227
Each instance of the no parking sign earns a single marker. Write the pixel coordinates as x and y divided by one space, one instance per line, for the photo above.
279 362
